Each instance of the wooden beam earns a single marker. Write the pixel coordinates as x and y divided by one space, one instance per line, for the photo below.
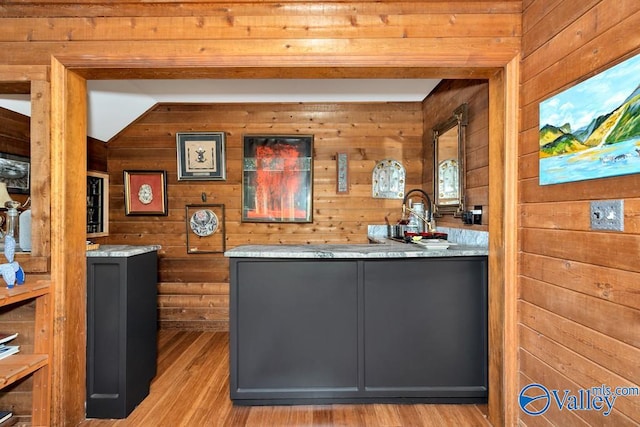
68 261
496 249
510 265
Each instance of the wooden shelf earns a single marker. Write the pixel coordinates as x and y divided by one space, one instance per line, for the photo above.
35 285
18 366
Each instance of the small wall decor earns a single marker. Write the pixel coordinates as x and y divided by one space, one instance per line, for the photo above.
205 229
15 172
145 192
342 171
201 156
97 204
592 130
388 180
277 178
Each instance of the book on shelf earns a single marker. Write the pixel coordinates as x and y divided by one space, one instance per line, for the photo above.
4 337
8 350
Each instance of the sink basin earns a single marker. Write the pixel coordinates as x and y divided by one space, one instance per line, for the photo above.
409 237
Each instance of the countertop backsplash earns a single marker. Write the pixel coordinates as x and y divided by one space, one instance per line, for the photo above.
461 236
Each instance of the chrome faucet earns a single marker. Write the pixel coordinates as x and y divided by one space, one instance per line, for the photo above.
427 219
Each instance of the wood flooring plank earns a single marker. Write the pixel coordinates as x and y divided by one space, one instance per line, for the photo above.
192 389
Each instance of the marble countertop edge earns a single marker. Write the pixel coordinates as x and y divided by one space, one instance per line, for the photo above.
121 250
383 248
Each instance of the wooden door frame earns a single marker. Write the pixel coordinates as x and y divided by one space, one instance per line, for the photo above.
68 264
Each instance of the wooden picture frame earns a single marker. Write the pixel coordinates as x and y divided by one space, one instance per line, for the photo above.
97 204
277 178
201 156
145 192
206 228
342 173
15 171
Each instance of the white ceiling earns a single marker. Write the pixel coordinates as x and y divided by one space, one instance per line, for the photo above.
114 104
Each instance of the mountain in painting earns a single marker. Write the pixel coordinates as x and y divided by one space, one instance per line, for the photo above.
554 141
621 124
583 133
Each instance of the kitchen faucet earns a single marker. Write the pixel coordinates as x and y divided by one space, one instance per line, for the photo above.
427 219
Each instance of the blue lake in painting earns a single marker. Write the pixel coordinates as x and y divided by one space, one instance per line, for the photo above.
603 161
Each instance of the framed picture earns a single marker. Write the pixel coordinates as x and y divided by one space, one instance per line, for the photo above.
592 130
15 171
277 178
205 229
97 204
201 156
145 192
342 172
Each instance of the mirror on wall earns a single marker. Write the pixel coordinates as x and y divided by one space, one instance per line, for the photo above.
448 165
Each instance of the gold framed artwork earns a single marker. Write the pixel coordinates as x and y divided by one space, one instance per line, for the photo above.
145 192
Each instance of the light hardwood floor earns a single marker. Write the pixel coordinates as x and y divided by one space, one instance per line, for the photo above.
192 389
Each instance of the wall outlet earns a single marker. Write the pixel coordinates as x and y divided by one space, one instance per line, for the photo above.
607 215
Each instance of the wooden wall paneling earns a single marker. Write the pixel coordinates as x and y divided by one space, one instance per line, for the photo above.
605 351
587 59
555 380
437 108
578 287
550 42
355 53
367 132
584 374
276 25
553 17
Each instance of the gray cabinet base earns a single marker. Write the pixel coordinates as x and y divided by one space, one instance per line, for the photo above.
121 333
358 331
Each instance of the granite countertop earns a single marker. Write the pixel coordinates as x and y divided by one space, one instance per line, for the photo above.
383 248
121 250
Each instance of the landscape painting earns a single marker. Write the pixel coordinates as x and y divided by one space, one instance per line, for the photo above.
592 130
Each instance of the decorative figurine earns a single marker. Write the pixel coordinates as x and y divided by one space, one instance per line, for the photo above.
11 272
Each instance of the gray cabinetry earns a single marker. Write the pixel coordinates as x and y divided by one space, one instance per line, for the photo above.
425 327
121 332
320 331
295 328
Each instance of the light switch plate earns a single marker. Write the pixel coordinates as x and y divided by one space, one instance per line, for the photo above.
607 215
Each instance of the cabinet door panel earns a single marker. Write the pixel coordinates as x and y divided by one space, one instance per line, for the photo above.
298 327
425 324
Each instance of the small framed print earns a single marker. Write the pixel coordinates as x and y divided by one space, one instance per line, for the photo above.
342 171
201 156
205 229
97 204
145 192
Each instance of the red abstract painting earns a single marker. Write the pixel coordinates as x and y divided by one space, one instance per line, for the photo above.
277 178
